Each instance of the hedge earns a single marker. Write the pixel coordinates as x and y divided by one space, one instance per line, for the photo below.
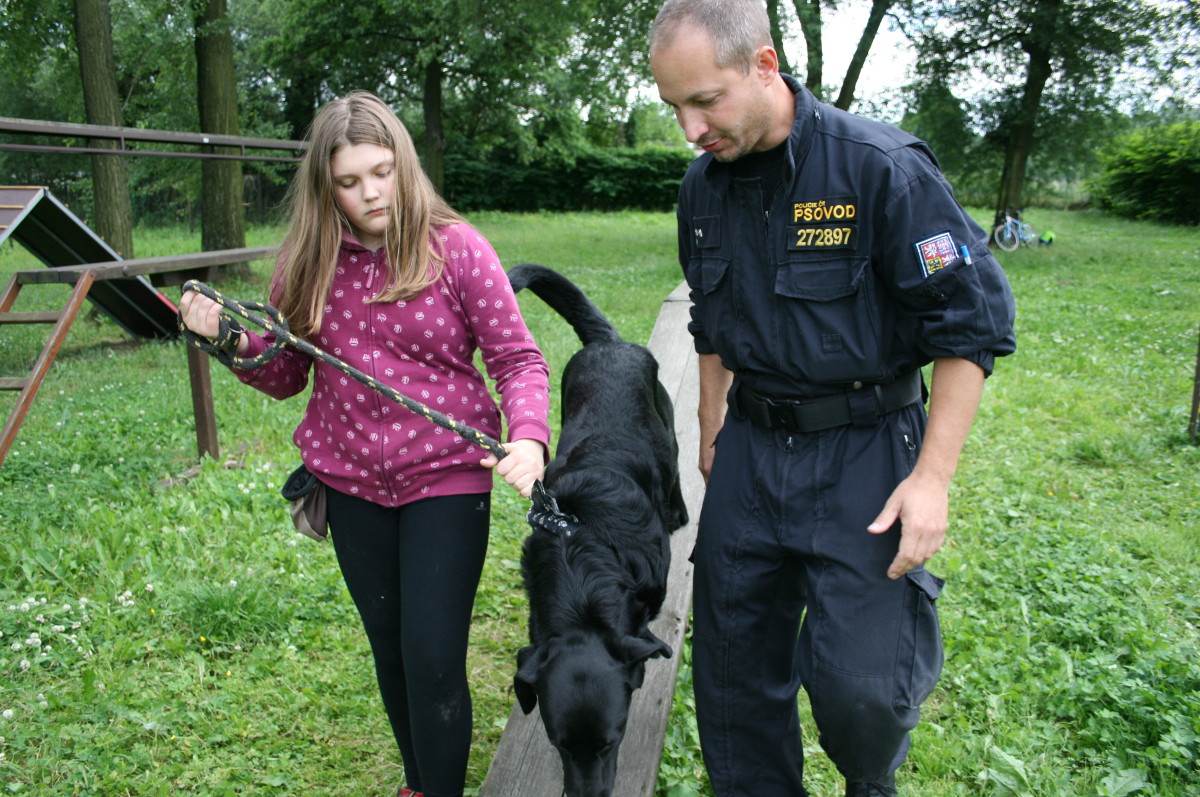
1153 174
589 179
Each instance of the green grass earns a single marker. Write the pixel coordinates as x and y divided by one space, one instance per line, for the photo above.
1070 614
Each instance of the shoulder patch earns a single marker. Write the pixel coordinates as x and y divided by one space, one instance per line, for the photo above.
936 253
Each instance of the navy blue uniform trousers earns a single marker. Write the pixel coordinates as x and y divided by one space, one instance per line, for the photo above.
791 590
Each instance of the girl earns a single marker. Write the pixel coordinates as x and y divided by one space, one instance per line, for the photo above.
379 271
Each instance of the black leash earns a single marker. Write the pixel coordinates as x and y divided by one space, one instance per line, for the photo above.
544 513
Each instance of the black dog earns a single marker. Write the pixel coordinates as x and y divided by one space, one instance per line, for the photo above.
595 585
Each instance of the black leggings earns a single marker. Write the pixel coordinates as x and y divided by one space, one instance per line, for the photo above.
412 572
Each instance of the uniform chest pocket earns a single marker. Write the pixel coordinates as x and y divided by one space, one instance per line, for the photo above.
711 280
829 324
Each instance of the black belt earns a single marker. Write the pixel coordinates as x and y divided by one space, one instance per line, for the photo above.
861 407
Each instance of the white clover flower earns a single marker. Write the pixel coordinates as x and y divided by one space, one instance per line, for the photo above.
24 607
66 607
58 629
41 618
25 665
15 646
100 687
149 588
7 713
233 582
43 601
83 601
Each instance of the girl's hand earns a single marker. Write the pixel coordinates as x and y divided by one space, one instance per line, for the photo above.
200 314
522 467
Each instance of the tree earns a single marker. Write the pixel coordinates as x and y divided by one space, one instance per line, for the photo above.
1076 48
777 35
846 96
222 214
518 74
93 38
809 13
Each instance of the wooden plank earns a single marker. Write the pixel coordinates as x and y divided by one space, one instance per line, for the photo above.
25 400
148 265
526 765
48 317
1192 422
202 402
13 382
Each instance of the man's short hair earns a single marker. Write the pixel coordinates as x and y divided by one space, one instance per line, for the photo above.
737 27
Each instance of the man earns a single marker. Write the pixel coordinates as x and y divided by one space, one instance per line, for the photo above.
828 261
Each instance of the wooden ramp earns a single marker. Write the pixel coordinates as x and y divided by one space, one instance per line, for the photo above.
57 237
525 764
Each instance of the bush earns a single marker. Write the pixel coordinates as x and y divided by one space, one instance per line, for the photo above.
589 179
1153 173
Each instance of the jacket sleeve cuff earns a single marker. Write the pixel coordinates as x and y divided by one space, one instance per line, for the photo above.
530 430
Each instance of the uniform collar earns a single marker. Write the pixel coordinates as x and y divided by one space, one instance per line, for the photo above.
799 139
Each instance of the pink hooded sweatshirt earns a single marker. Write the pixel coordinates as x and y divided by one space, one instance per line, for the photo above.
361 443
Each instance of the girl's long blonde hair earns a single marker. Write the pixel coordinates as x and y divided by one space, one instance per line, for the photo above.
310 248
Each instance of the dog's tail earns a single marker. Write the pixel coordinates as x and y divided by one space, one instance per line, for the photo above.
566 299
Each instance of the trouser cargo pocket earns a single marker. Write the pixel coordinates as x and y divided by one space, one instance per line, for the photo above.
919 659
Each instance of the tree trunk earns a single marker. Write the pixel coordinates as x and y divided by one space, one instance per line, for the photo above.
809 12
777 35
435 139
112 212
846 95
1020 140
221 212
300 103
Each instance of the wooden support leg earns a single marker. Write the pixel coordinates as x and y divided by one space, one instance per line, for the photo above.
1193 432
202 402
42 366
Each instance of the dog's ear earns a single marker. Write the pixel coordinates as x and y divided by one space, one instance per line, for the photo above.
634 652
529 665
636 649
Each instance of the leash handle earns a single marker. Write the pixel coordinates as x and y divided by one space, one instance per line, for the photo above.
275 323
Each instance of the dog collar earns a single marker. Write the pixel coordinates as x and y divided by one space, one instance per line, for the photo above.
544 514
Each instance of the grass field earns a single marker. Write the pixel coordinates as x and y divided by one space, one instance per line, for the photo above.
161 634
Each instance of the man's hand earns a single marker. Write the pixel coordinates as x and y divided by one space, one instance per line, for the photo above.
524 465
714 384
922 504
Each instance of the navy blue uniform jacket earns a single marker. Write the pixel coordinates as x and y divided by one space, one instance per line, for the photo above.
864 268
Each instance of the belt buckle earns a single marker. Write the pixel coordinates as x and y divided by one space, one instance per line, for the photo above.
866 405
780 414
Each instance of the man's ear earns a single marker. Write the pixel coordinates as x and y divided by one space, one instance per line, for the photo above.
529 666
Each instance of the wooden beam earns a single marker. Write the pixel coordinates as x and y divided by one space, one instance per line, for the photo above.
48 317
526 765
202 402
142 266
1193 432
17 416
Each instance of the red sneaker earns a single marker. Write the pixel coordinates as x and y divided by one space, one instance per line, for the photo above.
407 792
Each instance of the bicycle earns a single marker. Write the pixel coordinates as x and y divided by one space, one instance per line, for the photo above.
1013 232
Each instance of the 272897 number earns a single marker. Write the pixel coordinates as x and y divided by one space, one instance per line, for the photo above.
822 237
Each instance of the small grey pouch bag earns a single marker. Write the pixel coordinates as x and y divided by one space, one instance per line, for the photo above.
306 496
